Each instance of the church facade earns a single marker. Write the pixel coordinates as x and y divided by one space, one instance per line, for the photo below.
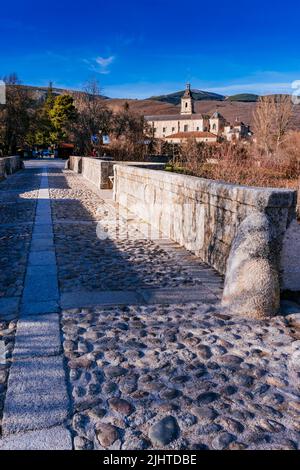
177 128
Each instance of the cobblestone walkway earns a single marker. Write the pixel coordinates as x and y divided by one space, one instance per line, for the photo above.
116 337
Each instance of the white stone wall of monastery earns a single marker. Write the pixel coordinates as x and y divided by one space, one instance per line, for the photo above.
174 126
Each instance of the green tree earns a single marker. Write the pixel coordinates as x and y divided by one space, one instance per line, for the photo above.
50 98
41 127
62 115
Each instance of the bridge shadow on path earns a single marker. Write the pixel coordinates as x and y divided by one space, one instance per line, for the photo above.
18 200
124 262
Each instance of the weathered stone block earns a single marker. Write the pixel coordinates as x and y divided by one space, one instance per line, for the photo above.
252 280
203 215
36 395
56 438
290 258
9 165
37 336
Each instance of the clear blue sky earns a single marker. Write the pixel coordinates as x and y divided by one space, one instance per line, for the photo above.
140 48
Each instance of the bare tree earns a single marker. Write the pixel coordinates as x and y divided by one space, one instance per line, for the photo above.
14 115
94 118
129 124
129 131
272 117
263 123
283 107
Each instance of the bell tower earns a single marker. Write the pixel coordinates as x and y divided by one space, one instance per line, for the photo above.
187 102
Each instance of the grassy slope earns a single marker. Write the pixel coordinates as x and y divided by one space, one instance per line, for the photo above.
230 109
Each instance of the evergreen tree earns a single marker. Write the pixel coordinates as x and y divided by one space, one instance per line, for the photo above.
62 114
41 128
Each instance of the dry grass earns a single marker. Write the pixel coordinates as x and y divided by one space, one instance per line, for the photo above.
240 163
230 110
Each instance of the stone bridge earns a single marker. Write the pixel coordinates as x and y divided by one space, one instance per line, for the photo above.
112 335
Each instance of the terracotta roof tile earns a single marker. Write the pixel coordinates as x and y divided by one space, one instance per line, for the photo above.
186 135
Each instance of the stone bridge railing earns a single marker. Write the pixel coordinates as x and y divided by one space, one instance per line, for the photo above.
100 172
238 230
248 234
9 165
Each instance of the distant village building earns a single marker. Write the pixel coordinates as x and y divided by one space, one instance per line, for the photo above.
180 137
237 131
177 128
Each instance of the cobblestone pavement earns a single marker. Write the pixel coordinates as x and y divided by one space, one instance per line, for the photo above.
180 377
125 260
170 370
177 376
17 210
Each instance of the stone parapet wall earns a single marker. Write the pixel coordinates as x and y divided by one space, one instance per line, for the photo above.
75 163
201 215
9 165
100 172
92 170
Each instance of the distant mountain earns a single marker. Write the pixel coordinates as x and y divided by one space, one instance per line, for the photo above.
198 95
240 106
40 92
244 98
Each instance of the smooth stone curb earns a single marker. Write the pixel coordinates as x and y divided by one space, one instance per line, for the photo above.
36 395
42 270
43 220
84 298
178 295
39 308
42 244
56 438
43 229
37 336
40 288
42 258
80 299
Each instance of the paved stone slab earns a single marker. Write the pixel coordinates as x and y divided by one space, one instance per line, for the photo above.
37 336
43 219
43 204
38 288
43 210
86 299
43 270
42 213
42 229
41 244
45 235
39 308
175 296
42 236
9 306
45 257
36 395
56 438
